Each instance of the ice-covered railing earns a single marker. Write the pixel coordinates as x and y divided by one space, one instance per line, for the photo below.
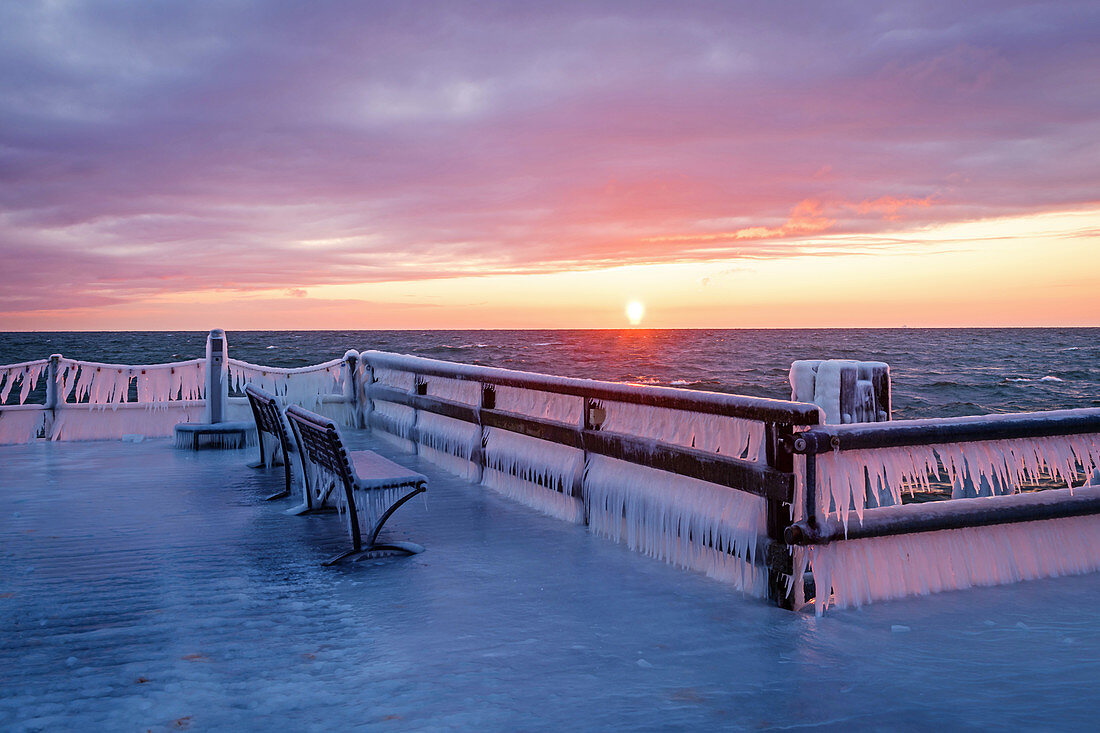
694 478
89 400
306 386
85 400
861 543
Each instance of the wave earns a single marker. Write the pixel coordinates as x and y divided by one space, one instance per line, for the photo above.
1050 378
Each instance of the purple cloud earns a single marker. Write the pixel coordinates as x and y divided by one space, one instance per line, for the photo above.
164 147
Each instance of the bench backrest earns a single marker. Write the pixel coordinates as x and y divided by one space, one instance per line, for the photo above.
321 443
265 408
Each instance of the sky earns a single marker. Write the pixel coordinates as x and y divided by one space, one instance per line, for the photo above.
270 165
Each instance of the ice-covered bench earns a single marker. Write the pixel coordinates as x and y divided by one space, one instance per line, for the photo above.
270 419
374 486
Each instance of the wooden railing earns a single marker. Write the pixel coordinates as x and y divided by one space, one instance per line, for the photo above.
772 478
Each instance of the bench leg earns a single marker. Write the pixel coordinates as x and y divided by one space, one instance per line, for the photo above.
376 549
394 507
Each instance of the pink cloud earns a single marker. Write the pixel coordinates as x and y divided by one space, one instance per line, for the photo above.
248 147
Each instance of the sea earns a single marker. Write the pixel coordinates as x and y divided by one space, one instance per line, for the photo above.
934 372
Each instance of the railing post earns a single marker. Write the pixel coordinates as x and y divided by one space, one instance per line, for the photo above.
487 401
593 413
419 387
778 555
351 386
366 407
217 377
52 401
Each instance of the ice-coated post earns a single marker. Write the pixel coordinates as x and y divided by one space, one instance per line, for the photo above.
419 387
848 391
366 406
52 374
217 377
487 400
351 386
778 556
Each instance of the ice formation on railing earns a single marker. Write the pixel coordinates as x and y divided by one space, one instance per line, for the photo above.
544 405
854 572
396 419
1002 464
25 373
109 384
84 422
680 520
455 390
729 436
447 435
395 379
305 386
534 472
20 425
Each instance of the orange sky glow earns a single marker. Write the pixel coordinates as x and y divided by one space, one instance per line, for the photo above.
1038 270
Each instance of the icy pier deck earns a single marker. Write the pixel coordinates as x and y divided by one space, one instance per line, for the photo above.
143 587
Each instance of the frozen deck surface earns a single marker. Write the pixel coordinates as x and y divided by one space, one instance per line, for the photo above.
143 587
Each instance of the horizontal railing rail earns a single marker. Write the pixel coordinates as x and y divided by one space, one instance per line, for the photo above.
946 430
734 473
780 412
944 433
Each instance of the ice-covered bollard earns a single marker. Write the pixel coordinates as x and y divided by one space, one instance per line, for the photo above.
215 431
848 391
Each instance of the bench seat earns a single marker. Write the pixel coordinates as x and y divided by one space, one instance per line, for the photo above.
374 487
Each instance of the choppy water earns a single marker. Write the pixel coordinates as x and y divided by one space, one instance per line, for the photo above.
936 372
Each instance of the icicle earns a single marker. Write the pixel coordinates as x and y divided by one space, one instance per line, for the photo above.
1001 466
305 386
534 472
453 437
715 433
677 519
396 419
855 572
394 379
455 390
545 405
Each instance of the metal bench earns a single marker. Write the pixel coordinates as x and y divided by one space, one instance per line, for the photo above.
384 485
268 413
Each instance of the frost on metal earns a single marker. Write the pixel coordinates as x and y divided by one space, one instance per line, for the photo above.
305 386
853 480
729 436
543 405
855 572
395 379
454 390
680 520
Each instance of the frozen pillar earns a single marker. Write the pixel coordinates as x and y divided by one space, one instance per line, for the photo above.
217 377
215 431
847 391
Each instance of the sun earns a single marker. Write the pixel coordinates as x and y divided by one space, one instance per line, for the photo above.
634 312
